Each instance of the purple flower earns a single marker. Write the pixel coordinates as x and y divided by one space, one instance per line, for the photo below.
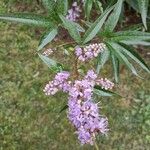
62 76
78 51
89 51
83 113
59 83
74 12
91 75
105 83
84 137
88 94
48 52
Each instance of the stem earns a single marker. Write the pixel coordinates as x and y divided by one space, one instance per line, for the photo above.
61 45
76 73
73 42
96 146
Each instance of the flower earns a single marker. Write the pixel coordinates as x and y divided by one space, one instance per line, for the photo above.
74 12
59 83
86 119
48 52
105 83
89 51
78 51
91 75
83 113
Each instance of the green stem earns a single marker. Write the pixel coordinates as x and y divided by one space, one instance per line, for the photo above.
61 45
96 146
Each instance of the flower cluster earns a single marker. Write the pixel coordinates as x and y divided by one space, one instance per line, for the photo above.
59 83
105 83
48 52
83 113
74 12
89 51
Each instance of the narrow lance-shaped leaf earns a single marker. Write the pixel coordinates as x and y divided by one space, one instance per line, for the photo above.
134 27
133 33
47 38
78 27
102 59
49 62
114 48
49 5
115 63
72 29
114 17
143 8
26 18
133 4
88 8
62 7
130 36
134 55
63 108
102 92
134 42
96 26
98 5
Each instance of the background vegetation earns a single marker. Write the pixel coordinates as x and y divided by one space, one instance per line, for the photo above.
29 120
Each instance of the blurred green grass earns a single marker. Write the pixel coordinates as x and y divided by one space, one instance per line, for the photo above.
29 120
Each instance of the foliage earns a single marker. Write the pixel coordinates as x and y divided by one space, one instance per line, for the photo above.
103 29
113 40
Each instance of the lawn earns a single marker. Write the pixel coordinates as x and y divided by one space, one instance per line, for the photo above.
29 120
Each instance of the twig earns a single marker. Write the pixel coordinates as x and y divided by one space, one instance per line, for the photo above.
96 146
76 73
65 44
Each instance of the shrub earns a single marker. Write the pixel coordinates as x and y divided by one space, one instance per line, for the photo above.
88 41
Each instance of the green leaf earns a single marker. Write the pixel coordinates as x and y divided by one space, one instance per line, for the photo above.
62 7
130 36
78 27
133 33
63 108
72 29
116 51
26 18
114 17
115 63
134 42
143 8
88 8
133 4
87 23
102 92
134 27
48 37
49 62
102 59
134 55
49 5
98 5
96 26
